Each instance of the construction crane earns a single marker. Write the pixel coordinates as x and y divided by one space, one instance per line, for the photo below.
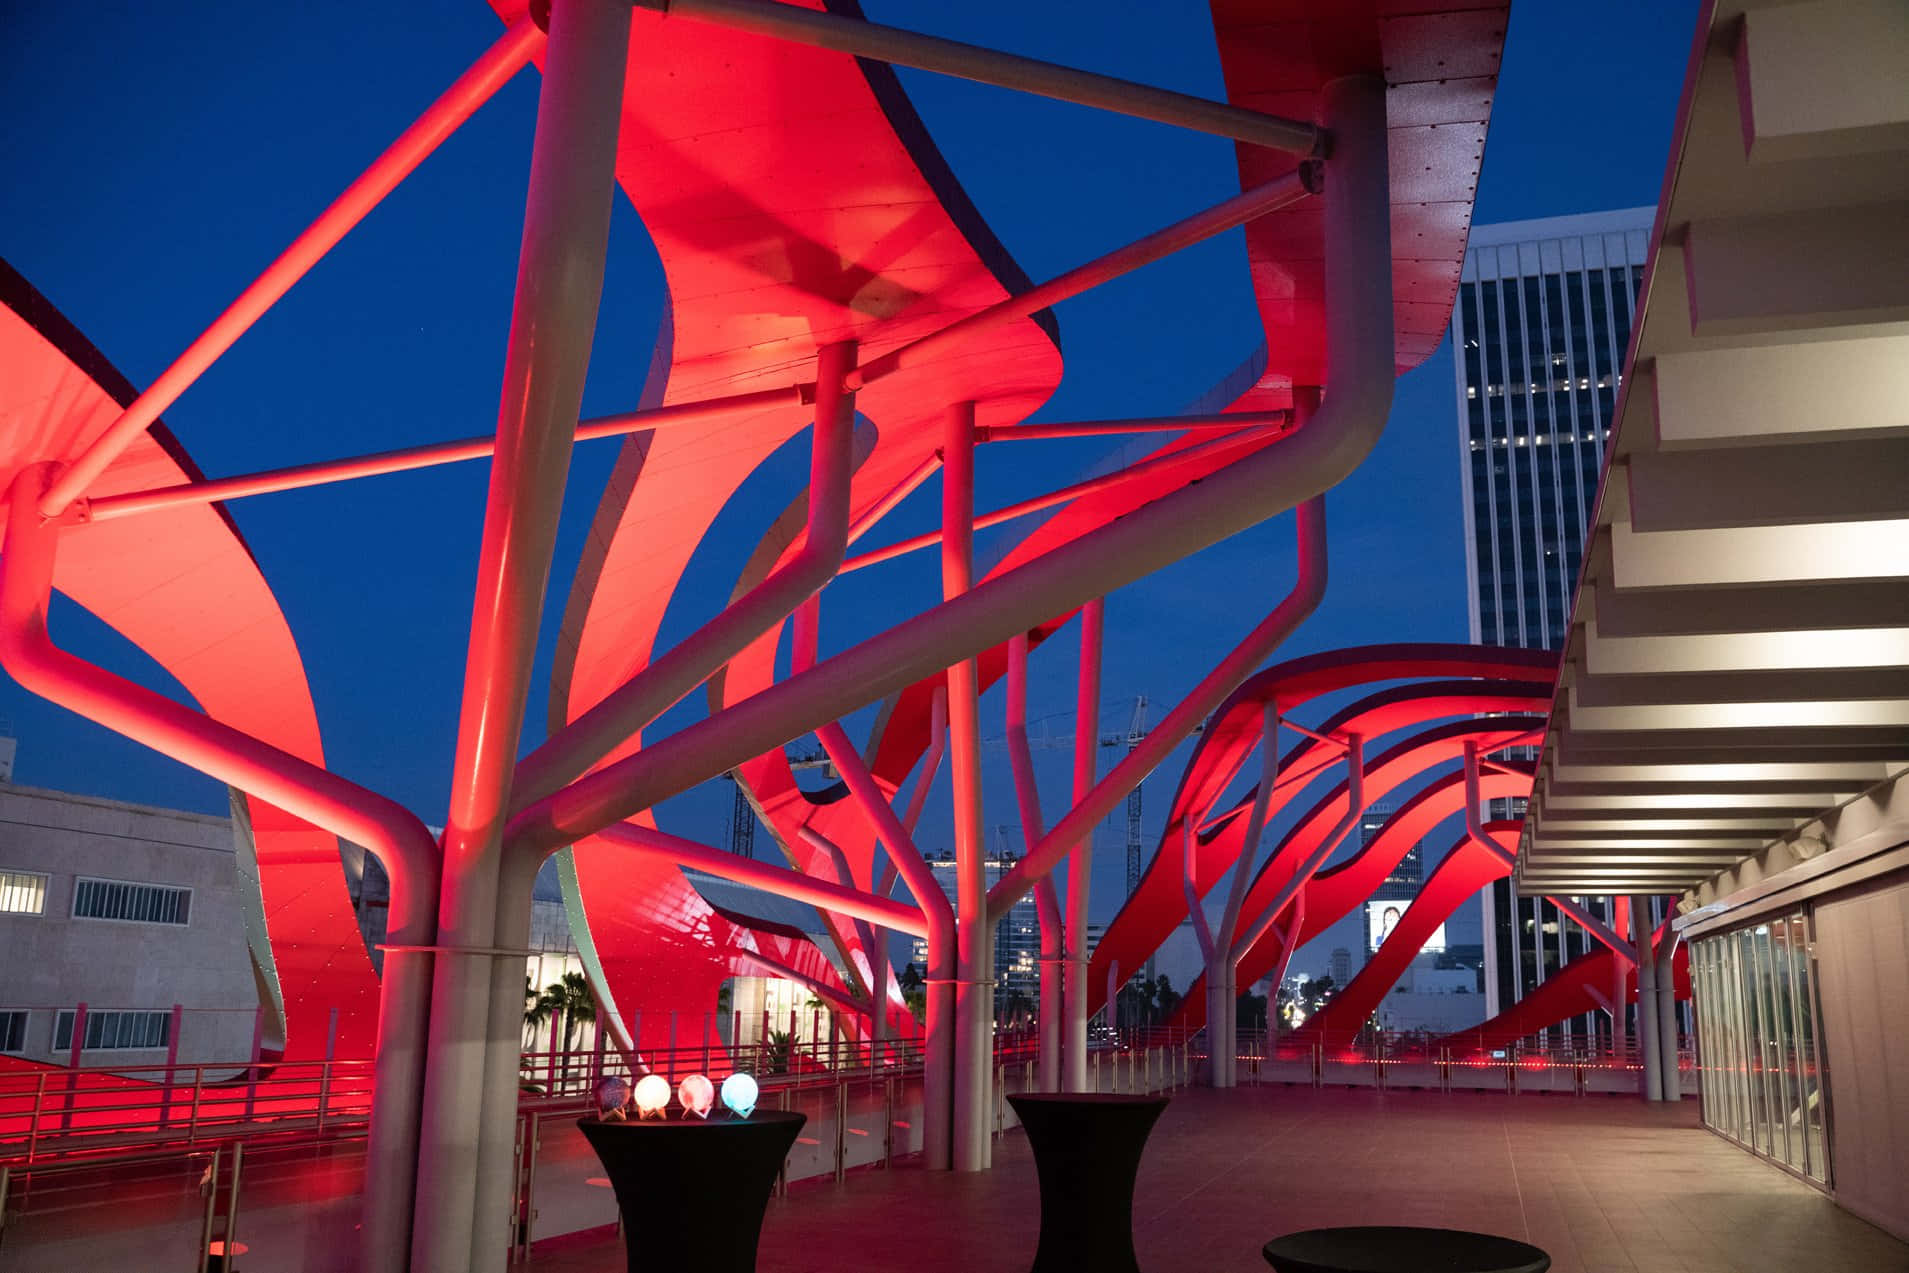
742 817
1136 730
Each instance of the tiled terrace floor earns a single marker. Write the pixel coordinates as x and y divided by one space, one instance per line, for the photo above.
1604 1184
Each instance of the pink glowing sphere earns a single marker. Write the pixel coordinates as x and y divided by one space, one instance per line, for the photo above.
696 1094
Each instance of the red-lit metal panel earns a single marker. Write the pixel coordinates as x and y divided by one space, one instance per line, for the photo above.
183 587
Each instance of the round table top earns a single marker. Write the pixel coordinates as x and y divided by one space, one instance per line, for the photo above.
1401 1249
1121 1099
718 1120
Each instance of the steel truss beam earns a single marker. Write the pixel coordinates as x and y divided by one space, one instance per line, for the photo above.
1003 70
442 118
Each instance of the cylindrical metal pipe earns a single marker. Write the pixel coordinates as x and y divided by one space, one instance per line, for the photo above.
672 675
1672 1081
322 472
1072 491
1302 875
1647 1018
1358 265
1080 864
1228 967
1228 421
439 120
1027 798
400 840
467 1136
920 52
1249 205
974 1016
796 885
899 492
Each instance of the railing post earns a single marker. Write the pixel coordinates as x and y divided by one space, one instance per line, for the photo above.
33 1127
172 1060
230 1251
888 1123
324 1072
73 1065
841 1130
198 1089
782 1176
252 1072
709 1019
211 1209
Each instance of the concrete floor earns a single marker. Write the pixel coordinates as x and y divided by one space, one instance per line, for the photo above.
1605 1184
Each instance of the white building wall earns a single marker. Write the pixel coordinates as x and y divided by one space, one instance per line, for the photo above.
53 961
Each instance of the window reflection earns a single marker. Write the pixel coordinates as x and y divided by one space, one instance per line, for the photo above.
1756 1020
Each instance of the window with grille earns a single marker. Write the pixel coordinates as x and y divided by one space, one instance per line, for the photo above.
22 893
13 1030
136 903
109 1031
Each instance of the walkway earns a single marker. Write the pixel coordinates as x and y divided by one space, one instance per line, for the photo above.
1607 1185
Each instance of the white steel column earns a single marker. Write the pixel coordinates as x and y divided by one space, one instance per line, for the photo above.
1027 798
559 284
1667 1014
1236 896
1653 1080
1080 863
974 962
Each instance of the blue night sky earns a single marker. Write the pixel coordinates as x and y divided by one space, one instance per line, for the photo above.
154 163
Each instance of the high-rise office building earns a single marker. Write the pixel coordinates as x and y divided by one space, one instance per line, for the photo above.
1017 937
1539 335
1402 881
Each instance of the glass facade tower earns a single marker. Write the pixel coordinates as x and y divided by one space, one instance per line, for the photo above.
1539 333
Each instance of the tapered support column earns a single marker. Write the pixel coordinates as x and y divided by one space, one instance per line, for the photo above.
1667 1019
1080 864
1027 798
974 958
1647 1047
467 1125
1226 966
1620 1019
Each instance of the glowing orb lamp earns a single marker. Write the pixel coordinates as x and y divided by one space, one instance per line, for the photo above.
739 1095
652 1096
697 1094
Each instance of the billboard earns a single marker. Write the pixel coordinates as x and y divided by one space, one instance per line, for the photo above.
1381 917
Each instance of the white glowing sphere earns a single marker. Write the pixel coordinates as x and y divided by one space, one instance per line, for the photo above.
697 1094
652 1095
739 1095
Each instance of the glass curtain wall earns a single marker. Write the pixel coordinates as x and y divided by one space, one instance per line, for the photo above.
1756 1031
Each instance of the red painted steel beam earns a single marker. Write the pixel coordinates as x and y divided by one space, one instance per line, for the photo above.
1226 420
442 118
1232 442
797 885
321 472
1229 214
855 35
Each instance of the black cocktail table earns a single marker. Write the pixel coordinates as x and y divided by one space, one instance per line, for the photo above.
692 1193
1400 1249
1087 1149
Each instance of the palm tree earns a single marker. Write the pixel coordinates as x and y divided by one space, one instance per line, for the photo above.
571 1000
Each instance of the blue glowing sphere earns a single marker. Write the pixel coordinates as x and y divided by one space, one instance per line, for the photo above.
739 1095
